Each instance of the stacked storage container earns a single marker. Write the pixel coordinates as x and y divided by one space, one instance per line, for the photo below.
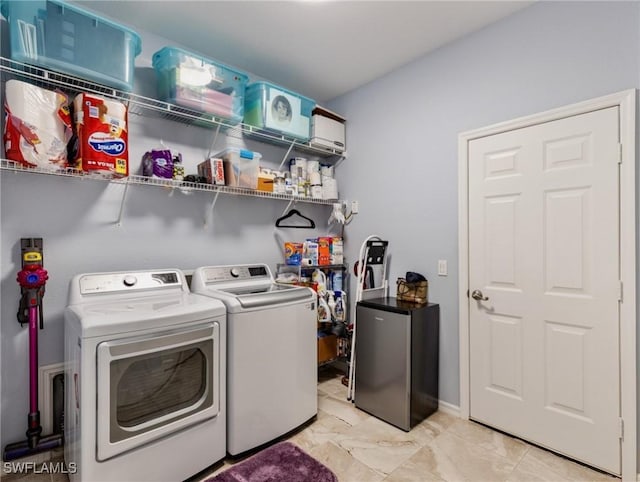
55 35
278 110
195 82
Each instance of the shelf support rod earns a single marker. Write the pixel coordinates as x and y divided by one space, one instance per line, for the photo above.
286 156
210 211
213 143
124 196
288 206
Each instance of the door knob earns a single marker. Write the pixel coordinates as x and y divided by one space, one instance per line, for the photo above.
477 295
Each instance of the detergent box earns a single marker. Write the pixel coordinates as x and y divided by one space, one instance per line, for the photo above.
101 126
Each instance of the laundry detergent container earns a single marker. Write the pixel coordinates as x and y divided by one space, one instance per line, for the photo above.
58 36
275 109
192 81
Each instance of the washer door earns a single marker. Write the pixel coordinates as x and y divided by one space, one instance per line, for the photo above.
153 385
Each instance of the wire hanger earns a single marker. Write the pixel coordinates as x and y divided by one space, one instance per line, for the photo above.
294 212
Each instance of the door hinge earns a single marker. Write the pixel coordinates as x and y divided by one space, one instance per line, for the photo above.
620 290
621 427
619 153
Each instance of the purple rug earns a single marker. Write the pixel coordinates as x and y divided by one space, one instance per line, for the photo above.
283 462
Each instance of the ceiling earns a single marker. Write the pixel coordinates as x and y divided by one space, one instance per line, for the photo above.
321 49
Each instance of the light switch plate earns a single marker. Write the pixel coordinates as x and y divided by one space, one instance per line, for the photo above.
442 267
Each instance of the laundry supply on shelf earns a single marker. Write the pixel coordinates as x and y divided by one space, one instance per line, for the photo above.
37 126
158 163
101 126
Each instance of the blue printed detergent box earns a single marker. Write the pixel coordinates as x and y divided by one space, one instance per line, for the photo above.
101 126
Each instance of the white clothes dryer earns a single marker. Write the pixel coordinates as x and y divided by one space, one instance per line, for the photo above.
272 367
145 377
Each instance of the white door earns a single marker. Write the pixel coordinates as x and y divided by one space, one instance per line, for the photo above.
544 250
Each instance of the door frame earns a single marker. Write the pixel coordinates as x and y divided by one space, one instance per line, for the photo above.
626 101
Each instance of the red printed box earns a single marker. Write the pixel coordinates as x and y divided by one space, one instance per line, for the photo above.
212 170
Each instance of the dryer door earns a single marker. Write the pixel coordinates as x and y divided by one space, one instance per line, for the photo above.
153 385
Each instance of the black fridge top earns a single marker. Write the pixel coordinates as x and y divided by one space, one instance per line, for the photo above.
394 305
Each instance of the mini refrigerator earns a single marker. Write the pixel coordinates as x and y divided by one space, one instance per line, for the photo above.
396 360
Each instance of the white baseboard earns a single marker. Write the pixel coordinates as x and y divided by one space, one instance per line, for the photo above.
449 408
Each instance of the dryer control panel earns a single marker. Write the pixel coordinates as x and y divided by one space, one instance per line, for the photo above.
129 281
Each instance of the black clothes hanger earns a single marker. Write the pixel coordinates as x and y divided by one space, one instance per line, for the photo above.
294 212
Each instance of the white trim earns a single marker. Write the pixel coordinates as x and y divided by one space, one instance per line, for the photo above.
449 408
626 101
46 375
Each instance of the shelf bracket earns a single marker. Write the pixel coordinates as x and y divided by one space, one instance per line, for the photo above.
124 196
286 156
213 143
209 213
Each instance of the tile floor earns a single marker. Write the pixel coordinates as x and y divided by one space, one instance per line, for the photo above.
361 448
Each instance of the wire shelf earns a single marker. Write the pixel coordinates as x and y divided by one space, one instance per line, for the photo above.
7 165
141 105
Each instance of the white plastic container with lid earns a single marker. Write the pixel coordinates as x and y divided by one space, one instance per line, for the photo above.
241 167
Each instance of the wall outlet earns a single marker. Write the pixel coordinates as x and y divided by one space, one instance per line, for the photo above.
442 267
355 207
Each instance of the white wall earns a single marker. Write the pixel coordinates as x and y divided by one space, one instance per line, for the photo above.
403 128
161 229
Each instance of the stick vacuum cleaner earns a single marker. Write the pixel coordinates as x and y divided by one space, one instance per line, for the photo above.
32 278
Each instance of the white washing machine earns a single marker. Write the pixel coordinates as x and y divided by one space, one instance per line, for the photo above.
272 367
145 377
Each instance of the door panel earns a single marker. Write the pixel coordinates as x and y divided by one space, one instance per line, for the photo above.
543 247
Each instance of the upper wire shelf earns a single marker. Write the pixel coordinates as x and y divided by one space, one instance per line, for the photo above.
141 105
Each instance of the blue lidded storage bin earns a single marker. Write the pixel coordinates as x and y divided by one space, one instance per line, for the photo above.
192 81
58 36
276 109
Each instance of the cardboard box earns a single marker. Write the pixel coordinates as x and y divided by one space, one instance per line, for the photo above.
327 347
265 182
324 250
212 170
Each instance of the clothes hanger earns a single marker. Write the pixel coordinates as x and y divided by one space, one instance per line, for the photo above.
294 212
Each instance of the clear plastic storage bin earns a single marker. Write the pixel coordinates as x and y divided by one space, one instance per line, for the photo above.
241 167
55 35
276 109
192 81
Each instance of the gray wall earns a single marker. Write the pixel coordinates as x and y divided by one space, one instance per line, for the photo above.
403 129
160 229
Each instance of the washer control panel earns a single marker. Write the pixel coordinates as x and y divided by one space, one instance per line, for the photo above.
116 282
216 274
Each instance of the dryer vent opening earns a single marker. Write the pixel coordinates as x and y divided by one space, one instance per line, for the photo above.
51 398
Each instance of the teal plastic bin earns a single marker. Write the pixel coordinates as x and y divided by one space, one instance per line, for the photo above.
198 83
278 110
58 36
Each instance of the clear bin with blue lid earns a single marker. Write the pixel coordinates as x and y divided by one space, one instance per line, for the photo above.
58 36
275 109
241 167
195 82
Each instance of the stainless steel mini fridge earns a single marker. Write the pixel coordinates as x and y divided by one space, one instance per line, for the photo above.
396 360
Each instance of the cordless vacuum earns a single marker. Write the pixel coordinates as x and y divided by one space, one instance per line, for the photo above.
32 278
